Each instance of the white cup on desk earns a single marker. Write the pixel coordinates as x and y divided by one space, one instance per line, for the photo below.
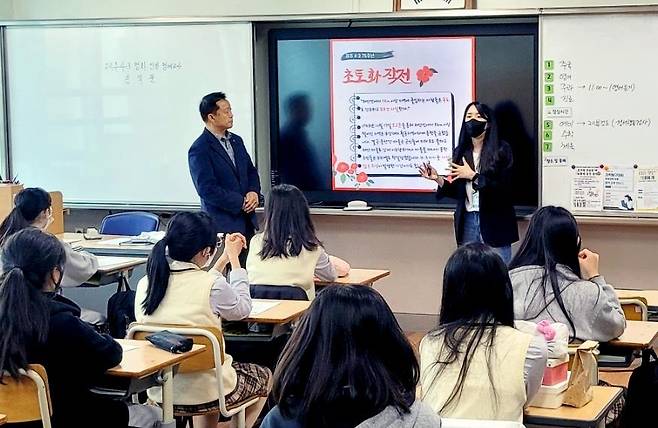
92 233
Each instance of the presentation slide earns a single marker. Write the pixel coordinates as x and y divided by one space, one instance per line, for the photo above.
396 103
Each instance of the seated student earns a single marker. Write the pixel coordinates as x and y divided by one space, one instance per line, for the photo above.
288 252
348 364
41 327
554 279
181 292
475 365
32 207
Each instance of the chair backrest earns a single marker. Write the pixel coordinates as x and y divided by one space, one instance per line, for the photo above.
211 358
27 398
278 292
199 335
635 308
130 223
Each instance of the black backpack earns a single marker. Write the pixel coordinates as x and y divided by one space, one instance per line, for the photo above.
642 393
121 310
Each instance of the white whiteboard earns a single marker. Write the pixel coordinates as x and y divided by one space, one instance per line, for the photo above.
107 114
599 97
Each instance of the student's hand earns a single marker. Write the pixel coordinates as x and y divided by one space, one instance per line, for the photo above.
250 202
589 264
461 171
428 172
233 244
237 236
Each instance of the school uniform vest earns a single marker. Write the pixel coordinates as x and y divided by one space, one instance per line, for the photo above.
477 399
187 302
296 271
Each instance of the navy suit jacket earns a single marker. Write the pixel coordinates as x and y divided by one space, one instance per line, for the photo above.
221 185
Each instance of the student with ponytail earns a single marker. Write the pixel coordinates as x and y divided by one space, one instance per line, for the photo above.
39 326
181 292
32 207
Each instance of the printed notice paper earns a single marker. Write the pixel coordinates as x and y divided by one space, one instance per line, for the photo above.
618 188
646 186
396 103
587 188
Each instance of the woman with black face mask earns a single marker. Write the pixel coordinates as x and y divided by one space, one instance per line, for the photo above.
39 326
480 181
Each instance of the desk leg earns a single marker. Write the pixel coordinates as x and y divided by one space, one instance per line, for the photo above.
168 395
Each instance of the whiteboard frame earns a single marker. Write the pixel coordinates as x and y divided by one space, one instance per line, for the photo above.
588 217
103 23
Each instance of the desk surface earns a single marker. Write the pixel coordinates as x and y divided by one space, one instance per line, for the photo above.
359 277
108 265
650 295
284 312
604 398
141 359
638 335
105 244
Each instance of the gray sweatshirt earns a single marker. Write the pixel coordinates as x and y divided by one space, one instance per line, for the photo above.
419 416
79 267
592 305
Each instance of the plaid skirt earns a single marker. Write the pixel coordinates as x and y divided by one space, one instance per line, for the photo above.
252 382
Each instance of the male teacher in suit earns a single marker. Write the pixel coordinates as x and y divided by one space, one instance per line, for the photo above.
222 171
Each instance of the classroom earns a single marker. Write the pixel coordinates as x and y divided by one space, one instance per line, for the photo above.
308 167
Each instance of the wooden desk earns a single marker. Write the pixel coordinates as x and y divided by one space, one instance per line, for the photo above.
639 335
149 366
113 269
284 312
358 277
106 246
3 419
650 295
590 415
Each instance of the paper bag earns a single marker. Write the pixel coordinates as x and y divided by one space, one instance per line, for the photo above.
583 375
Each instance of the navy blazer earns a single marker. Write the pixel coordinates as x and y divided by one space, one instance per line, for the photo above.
221 185
497 216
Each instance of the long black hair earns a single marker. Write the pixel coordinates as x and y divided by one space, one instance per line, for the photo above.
187 234
28 204
28 258
477 299
288 224
346 361
491 152
552 239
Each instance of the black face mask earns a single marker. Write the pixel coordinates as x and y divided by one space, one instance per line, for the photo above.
475 128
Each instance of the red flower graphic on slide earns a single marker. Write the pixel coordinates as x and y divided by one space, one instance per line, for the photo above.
425 74
342 167
345 172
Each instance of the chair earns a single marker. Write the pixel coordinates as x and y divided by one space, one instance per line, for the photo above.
278 292
28 398
211 358
129 223
635 308
620 360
